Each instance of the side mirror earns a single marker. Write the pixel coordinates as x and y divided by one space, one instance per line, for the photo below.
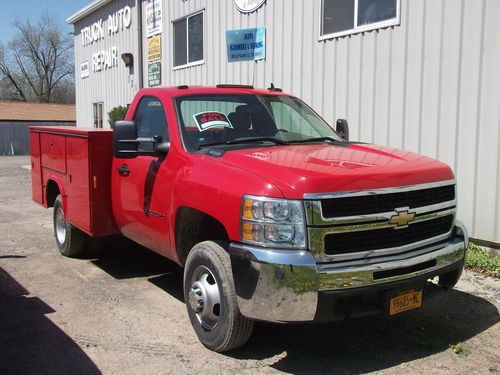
125 143
343 129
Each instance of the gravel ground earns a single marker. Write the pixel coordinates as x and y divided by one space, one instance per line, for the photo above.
122 313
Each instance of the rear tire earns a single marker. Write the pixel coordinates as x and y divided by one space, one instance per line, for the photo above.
69 239
211 299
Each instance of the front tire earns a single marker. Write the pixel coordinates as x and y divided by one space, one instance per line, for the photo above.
69 239
211 299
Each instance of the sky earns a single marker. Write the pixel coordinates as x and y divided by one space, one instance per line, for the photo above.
32 9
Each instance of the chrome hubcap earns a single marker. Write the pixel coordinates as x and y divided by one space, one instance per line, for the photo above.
60 226
204 298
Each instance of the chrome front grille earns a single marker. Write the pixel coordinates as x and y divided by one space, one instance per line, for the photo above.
381 222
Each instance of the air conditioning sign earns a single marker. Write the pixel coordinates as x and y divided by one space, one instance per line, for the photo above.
246 44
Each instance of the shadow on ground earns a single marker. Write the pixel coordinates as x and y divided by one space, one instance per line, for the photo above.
350 347
372 344
29 342
125 259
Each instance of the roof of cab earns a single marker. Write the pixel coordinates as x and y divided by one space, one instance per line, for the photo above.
184 90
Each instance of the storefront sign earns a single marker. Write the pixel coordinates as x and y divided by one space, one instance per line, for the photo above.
154 48
84 69
246 44
153 17
105 59
248 6
154 74
120 20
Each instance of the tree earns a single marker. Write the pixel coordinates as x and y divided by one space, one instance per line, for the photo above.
117 113
37 64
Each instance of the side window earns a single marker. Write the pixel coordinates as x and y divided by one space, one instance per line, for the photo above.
151 121
345 17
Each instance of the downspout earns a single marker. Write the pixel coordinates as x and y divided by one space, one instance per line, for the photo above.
140 67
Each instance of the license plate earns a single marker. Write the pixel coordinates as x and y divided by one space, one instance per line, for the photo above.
404 301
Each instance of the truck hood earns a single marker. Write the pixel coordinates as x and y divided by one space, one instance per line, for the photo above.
320 168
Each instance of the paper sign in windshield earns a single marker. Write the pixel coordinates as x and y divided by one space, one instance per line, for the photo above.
207 120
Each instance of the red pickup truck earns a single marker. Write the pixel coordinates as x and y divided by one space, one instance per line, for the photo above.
274 215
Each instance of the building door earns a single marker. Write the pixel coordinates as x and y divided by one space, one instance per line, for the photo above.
98 116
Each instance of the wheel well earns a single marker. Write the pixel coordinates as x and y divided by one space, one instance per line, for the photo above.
192 227
52 191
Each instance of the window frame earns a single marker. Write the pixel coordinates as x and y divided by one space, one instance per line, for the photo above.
358 29
193 63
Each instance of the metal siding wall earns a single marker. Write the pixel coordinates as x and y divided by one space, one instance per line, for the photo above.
14 135
112 86
430 85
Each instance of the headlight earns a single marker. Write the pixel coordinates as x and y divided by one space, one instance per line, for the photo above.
273 222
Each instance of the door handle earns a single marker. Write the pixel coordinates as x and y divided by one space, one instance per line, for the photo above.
123 170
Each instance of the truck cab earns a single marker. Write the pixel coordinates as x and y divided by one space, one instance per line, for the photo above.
274 215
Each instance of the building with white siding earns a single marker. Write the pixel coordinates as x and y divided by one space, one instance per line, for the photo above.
420 75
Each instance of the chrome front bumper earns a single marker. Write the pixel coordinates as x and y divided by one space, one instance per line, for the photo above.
284 286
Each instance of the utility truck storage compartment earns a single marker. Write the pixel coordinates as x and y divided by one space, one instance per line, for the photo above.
76 163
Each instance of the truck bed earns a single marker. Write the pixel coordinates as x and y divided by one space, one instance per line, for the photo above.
79 161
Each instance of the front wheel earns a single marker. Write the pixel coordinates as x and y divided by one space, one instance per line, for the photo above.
69 239
211 299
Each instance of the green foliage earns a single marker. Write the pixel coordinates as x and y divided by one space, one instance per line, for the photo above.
460 350
117 113
478 260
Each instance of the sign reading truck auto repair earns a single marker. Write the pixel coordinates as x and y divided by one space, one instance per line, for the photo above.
246 44
107 58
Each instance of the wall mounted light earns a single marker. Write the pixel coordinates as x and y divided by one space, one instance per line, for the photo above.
128 59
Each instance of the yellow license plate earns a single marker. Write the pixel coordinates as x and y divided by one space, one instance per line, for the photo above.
405 301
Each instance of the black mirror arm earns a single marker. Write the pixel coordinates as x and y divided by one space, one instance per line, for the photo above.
162 147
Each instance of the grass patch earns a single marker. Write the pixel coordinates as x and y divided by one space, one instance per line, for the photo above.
478 260
460 350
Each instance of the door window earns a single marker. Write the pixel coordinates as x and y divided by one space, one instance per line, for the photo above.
151 121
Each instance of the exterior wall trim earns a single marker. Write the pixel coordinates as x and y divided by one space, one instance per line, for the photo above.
85 11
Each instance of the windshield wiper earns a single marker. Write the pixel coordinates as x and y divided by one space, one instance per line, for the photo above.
247 140
321 139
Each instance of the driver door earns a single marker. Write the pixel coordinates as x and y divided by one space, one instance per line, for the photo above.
142 184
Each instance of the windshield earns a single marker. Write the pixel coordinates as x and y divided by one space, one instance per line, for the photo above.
223 119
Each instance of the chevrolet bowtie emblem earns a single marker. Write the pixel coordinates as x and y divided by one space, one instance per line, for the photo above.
402 218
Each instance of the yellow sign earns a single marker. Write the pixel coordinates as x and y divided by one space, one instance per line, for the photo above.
154 48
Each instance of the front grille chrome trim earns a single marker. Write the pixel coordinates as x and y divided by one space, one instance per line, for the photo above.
370 254
358 227
314 196
314 214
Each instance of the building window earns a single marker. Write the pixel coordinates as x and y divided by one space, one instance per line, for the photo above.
188 40
98 116
344 17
